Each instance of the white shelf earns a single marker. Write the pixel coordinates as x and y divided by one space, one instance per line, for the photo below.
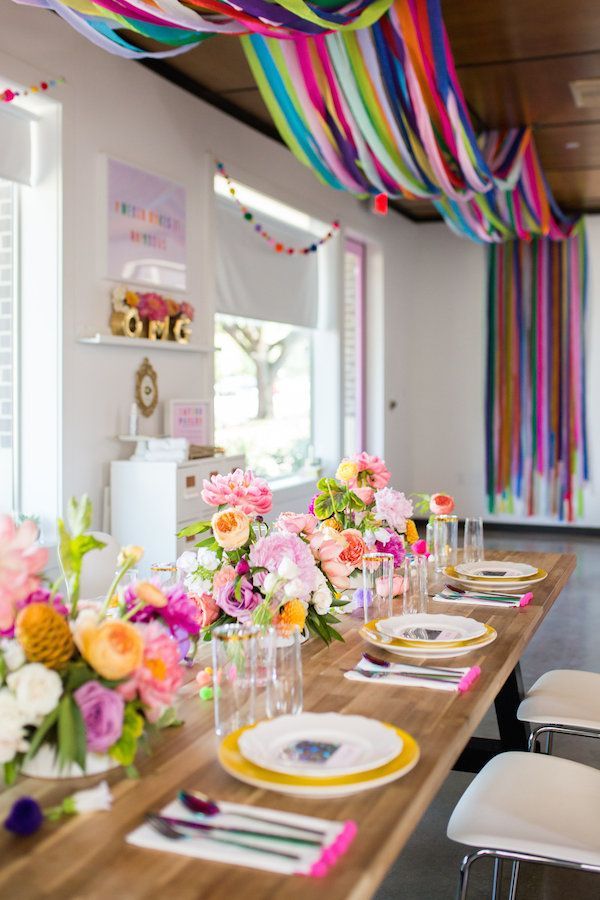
112 340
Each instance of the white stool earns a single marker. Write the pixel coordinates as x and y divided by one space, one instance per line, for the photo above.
564 701
532 808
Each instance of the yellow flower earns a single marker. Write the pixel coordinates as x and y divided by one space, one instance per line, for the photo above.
347 471
114 649
412 535
130 554
292 614
148 593
231 528
44 635
132 299
332 523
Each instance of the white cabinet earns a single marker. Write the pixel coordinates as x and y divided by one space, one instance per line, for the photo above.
152 501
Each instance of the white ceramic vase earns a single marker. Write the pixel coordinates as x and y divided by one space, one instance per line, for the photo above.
45 765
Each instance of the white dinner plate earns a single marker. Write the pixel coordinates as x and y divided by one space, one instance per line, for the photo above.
320 745
428 652
496 570
429 628
502 587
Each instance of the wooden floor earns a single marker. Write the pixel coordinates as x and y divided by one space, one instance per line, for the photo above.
427 869
87 858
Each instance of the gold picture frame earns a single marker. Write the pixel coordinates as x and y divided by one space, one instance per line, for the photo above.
146 388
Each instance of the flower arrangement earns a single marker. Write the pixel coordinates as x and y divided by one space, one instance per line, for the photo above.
83 677
244 571
150 305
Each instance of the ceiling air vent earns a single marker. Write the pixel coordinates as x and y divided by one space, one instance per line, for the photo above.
586 92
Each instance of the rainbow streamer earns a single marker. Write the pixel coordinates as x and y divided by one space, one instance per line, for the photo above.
535 395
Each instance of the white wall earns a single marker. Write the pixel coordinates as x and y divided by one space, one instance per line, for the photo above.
448 371
116 107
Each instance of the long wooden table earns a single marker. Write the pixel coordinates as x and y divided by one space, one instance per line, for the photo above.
86 856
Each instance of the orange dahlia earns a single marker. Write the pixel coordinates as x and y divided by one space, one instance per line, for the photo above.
412 535
293 613
44 635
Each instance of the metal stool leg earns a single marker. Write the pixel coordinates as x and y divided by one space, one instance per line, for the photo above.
497 879
549 742
514 875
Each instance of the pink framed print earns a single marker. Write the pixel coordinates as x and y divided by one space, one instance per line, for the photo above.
189 419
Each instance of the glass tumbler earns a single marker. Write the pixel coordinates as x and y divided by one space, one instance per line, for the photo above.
473 540
414 596
235 653
378 585
445 541
283 695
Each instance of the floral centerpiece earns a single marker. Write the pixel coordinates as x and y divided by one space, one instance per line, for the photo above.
83 678
244 571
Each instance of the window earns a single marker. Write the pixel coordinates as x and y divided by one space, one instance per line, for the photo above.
354 346
8 347
265 334
263 393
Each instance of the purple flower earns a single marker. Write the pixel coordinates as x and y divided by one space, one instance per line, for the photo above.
395 546
311 505
180 612
25 817
102 711
242 608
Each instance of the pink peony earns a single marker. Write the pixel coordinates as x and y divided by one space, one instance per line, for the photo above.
270 551
160 675
372 471
240 489
393 507
152 307
21 562
297 523
327 551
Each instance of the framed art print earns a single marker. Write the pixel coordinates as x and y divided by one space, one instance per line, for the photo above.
189 419
146 228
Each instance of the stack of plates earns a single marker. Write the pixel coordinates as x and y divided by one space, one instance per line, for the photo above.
494 575
318 754
428 635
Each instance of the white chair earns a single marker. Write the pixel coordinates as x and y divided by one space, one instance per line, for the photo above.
99 567
563 701
531 808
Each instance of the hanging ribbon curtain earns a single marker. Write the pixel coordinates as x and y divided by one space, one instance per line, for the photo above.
180 26
535 398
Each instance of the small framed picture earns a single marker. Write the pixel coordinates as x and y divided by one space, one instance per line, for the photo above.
189 419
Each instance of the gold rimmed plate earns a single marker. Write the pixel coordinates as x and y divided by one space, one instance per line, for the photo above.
505 581
458 644
370 634
235 764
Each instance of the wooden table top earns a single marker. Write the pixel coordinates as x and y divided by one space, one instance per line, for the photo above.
87 857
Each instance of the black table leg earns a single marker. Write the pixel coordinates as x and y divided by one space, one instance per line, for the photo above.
513 734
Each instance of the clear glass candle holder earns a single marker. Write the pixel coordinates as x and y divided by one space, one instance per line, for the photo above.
378 585
445 541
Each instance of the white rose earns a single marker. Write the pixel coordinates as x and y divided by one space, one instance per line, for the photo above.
208 559
197 585
36 689
13 654
295 588
12 733
322 598
288 569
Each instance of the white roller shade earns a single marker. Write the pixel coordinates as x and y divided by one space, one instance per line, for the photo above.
254 281
15 146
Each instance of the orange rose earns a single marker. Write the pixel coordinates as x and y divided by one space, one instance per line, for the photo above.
441 504
231 528
114 649
355 547
150 594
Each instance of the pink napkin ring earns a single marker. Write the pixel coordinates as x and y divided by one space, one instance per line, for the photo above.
526 599
468 679
332 853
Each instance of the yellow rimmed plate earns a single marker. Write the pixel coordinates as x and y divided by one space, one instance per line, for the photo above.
235 764
370 634
453 572
432 645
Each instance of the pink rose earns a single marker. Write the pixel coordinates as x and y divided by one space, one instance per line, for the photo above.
372 471
102 712
327 552
208 609
441 504
397 586
355 547
224 575
297 523
366 494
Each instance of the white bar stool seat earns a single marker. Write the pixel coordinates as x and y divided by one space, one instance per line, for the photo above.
563 697
531 807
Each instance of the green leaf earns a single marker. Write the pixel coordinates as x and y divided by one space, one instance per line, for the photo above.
79 672
42 730
323 507
79 515
80 751
193 529
11 770
208 542
355 502
329 484
339 502
125 749
67 748
132 772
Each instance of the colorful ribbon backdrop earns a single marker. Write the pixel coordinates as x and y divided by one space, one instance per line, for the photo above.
535 397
